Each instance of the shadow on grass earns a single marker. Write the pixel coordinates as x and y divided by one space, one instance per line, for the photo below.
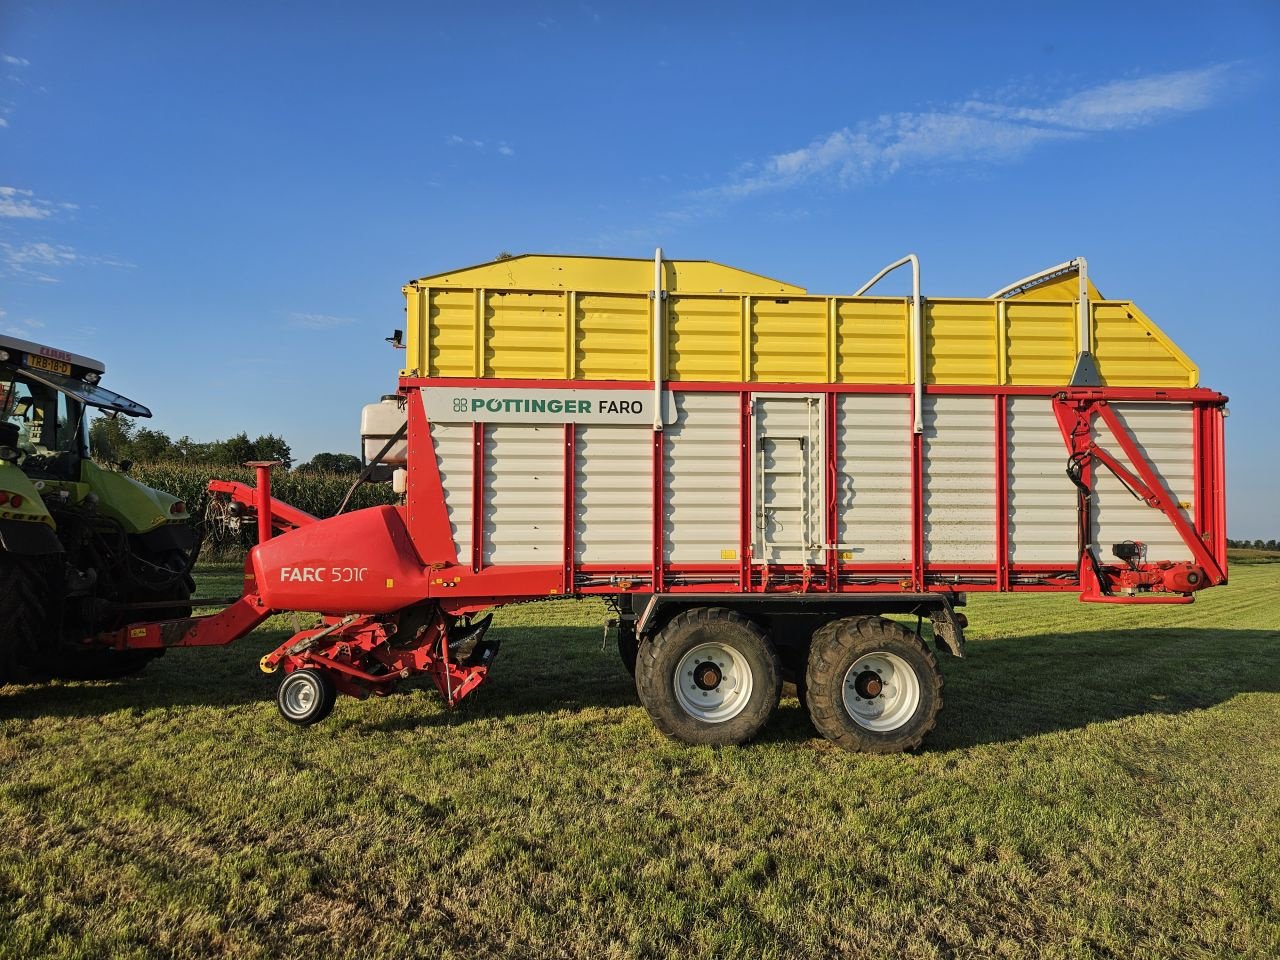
1005 690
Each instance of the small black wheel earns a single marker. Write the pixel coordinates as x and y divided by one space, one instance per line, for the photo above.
872 685
709 677
306 696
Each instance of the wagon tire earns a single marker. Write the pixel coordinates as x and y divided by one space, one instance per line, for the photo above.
709 677
872 685
306 696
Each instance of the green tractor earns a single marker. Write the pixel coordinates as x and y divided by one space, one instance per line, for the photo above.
83 548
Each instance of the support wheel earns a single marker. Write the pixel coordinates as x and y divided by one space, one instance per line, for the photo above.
306 696
872 685
709 677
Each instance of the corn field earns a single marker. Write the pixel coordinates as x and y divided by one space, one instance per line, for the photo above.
228 537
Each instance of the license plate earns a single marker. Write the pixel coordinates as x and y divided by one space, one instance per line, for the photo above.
37 362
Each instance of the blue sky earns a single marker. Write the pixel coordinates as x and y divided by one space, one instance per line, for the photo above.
222 202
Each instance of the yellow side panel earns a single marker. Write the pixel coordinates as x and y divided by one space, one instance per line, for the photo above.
704 338
525 335
789 340
611 274
452 322
873 341
1133 352
1041 342
696 276
416 334
613 336
960 341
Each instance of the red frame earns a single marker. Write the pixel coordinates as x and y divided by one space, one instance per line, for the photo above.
832 575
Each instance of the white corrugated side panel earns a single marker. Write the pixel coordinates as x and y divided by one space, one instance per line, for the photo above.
523 493
873 489
614 522
1163 432
789 451
959 480
453 458
1042 500
701 456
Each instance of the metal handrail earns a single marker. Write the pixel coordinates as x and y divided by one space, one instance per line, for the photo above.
1081 266
917 328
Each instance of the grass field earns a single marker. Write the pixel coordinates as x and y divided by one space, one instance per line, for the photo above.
1104 781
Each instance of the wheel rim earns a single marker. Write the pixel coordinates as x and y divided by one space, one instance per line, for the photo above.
713 682
881 692
300 696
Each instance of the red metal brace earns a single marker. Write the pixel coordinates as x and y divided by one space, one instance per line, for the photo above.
271 513
1102 583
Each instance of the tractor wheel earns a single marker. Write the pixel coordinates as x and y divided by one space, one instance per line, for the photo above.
306 696
872 685
710 676
25 603
81 663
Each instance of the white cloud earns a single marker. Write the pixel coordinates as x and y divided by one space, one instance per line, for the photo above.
16 203
979 131
318 321
39 260
39 255
22 205
26 328
1123 104
501 146
14 61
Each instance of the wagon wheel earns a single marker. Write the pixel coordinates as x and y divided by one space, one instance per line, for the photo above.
872 685
710 676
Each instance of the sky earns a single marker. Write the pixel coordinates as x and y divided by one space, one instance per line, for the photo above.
222 201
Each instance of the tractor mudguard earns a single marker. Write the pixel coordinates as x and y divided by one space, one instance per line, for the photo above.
360 562
27 528
135 506
28 539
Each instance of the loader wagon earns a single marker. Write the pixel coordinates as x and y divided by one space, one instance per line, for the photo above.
753 477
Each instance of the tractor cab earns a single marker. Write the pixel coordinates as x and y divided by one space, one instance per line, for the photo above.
45 394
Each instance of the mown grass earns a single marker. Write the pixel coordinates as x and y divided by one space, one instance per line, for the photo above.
1104 781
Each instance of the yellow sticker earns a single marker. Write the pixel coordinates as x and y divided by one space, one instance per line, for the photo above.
138 632
728 554
846 556
390 583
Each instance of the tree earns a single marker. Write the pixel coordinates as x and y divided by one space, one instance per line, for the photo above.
332 463
111 437
150 446
271 447
235 450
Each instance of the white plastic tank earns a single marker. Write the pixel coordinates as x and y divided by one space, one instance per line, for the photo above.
379 422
